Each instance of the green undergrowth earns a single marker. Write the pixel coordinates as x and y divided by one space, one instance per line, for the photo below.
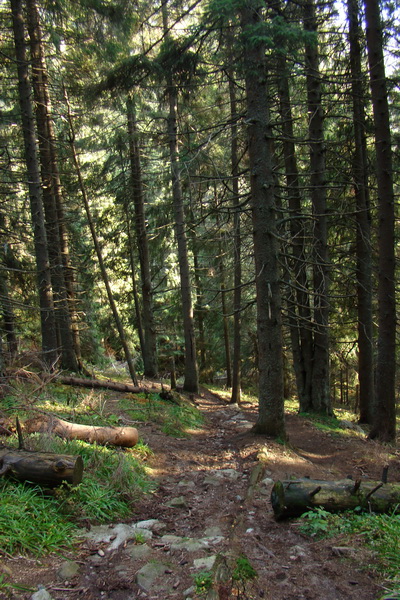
174 418
38 521
45 520
380 533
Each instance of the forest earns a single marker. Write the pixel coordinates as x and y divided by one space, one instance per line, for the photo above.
205 191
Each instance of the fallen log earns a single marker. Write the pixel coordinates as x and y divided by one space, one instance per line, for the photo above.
99 384
45 468
293 498
126 437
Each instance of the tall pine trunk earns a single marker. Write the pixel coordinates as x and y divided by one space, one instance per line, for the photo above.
237 242
363 221
191 378
56 235
299 311
149 353
270 419
47 319
320 394
384 411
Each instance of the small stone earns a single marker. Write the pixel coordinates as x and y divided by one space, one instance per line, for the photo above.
146 576
138 552
101 552
189 591
342 551
41 594
205 563
68 570
178 502
4 570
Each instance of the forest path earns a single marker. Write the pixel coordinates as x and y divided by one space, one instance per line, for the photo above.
212 502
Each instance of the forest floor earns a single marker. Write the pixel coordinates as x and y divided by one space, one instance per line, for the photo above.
213 500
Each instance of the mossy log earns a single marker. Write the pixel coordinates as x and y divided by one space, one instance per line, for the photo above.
293 498
126 437
44 468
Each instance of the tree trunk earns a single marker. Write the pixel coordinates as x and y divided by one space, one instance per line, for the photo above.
191 378
103 271
363 222
44 468
269 328
47 319
237 242
51 188
125 437
6 305
320 394
116 386
384 412
198 309
293 498
299 311
225 321
149 355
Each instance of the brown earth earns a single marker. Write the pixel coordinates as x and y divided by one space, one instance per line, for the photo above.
289 565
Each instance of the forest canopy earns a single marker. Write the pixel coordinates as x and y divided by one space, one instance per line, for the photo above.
206 188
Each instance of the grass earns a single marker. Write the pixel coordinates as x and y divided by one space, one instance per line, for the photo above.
379 533
36 522
173 419
30 522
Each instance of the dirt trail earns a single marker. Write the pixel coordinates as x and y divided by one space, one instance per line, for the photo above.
213 486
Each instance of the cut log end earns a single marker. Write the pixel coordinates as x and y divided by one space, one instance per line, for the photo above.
44 468
293 498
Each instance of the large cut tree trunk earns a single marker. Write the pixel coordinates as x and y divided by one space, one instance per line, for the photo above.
126 437
45 468
293 498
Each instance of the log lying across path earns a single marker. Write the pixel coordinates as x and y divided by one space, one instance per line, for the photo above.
126 437
293 498
45 468
106 384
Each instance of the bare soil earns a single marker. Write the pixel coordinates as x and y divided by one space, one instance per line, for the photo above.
289 565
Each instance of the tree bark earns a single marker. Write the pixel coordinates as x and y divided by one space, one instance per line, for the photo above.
293 498
191 377
270 419
45 293
299 311
237 243
125 437
150 353
320 393
363 221
384 411
116 386
44 468
51 189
